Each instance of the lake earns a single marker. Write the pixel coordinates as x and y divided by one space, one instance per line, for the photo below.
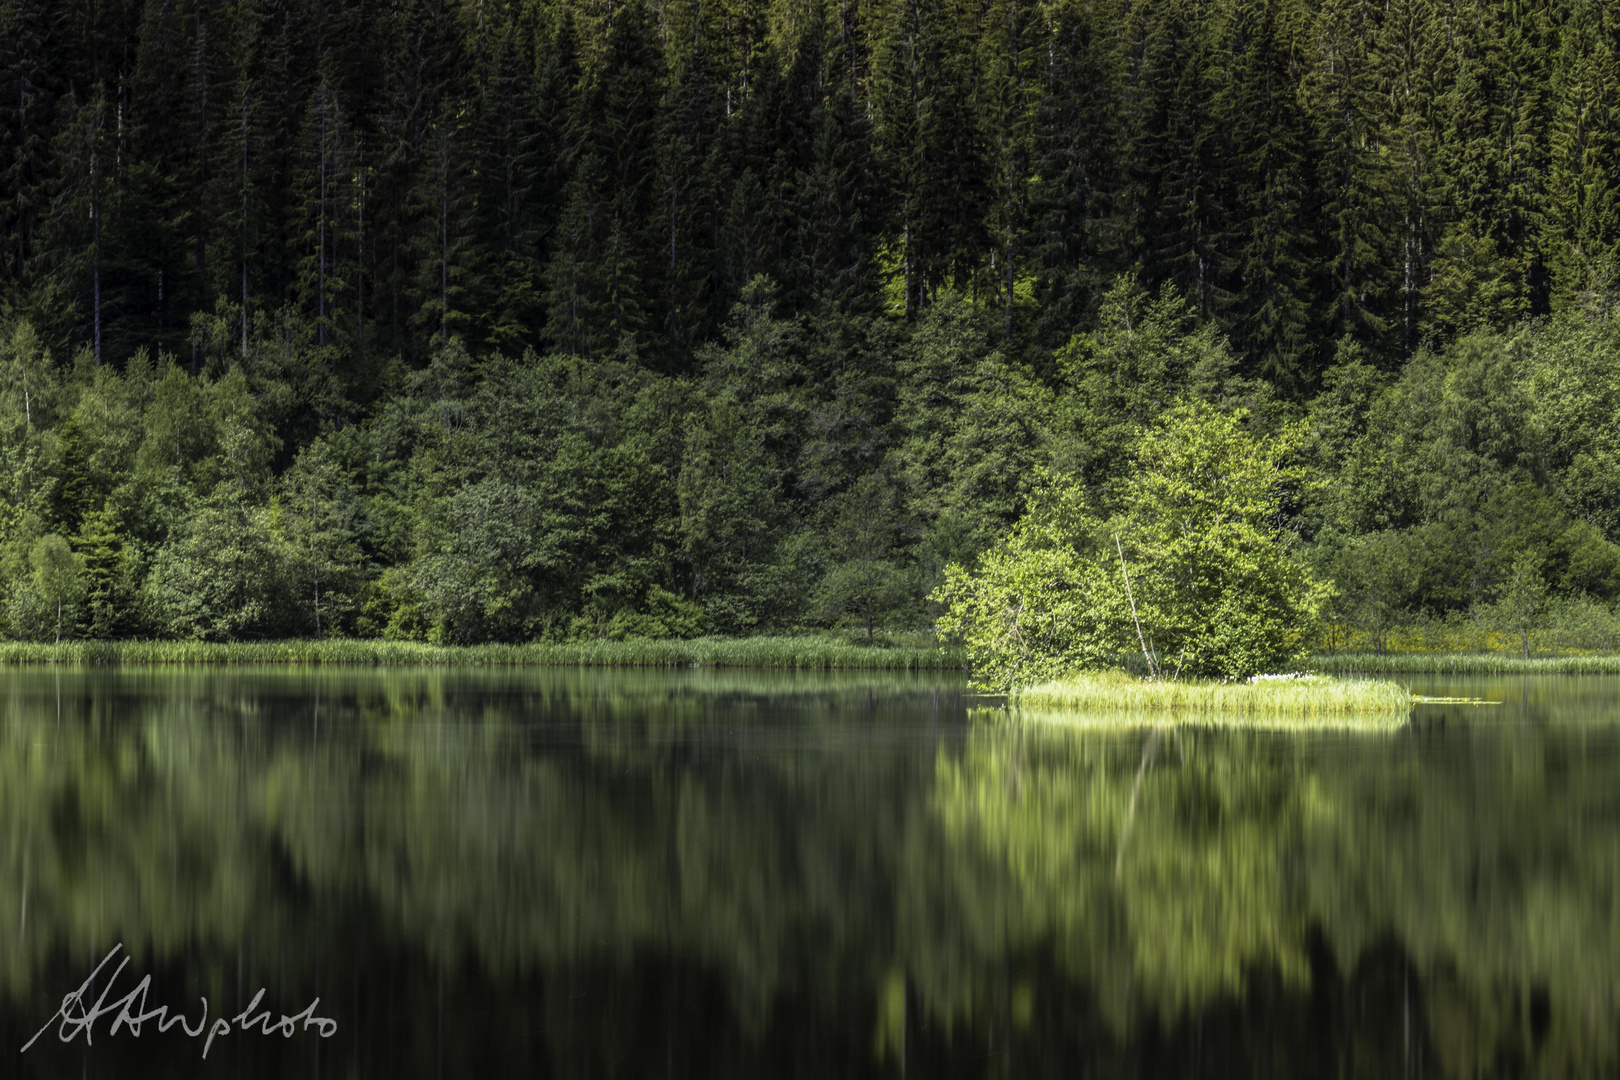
566 873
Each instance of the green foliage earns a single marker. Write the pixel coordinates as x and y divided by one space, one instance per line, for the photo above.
1523 600
217 578
1036 605
58 579
321 521
1215 591
1199 580
1471 287
972 431
865 582
1378 578
836 286
1146 350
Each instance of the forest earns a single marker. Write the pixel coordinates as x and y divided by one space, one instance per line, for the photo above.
476 321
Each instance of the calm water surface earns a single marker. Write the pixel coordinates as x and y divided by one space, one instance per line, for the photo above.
728 874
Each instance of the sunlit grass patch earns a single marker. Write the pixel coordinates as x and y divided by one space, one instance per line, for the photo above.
1118 699
1465 663
805 652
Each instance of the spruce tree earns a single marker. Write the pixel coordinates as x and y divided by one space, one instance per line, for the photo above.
692 141
1264 127
932 150
508 217
838 223
1583 217
1008 96
1357 261
1493 149
1077 158
1173 195
603 283
1413 73
28 113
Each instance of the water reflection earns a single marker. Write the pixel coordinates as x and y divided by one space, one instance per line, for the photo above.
709 874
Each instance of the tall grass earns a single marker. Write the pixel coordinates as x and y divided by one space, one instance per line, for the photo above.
1118 699
1459 663
800 653
1568 627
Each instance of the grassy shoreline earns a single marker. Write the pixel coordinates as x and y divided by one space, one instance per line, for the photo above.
1414 663
805 653
1119 699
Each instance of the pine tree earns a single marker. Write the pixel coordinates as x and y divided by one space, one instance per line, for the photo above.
420 177
108 592
694 174
1076 165
1413 74
60 279
1493 146
504 298
1352 178
1172 201
603 284
838 223
1583 217
28 113
1010 45
1264 128
932 151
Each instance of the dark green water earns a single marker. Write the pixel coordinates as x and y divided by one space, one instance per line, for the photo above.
628 874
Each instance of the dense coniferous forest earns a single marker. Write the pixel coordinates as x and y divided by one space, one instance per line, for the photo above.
469 320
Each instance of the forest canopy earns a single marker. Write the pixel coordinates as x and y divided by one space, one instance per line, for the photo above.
493 321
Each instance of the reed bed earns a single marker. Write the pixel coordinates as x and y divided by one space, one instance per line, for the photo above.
807 652
1117 699
1464 664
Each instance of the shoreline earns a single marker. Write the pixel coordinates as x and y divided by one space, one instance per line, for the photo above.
803 653
1411 663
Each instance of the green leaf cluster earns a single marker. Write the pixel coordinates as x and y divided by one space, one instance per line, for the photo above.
1192 569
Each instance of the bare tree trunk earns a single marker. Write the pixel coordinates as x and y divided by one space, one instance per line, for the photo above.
320 254
95 215
244 226
360 262
1153 667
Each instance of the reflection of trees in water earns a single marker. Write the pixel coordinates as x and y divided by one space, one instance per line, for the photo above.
186 815
974 889
1488 857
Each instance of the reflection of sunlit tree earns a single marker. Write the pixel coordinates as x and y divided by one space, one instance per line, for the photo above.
1171 873
1168 866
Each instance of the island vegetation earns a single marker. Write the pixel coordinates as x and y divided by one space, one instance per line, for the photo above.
1192 570
1289 702
557 322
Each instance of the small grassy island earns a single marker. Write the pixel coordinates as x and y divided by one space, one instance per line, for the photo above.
1190 569
1294 702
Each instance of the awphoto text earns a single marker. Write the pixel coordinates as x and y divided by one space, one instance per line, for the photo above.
76 1015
